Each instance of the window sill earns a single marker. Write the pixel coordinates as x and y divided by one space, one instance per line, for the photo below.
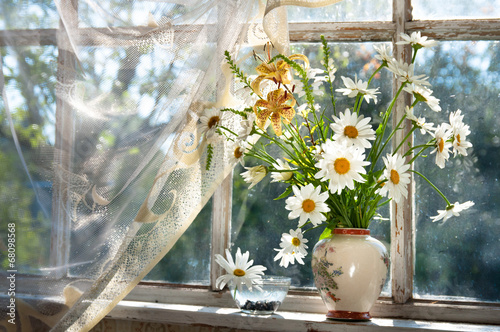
309 302
281 321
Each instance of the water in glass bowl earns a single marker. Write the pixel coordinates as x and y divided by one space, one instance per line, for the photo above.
264 301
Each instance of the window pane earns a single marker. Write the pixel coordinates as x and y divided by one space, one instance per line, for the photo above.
344 11
28 14
455 9
26 201
188 262
125 14
460 257
258 220
132 91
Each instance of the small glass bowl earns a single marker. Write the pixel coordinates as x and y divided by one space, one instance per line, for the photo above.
261 302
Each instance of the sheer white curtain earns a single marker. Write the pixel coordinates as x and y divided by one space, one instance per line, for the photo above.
120 148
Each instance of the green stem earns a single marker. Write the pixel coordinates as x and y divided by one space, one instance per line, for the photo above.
357 107
404 140
433 186
385 120
386 142
423 146
228 130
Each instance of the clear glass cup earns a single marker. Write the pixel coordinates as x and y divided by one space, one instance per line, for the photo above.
263 301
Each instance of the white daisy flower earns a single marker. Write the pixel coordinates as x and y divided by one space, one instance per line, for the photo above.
384 53
294 242
405 73
396 176
236 152
245 93
452 210
308 204
353 130
459 131
318 152
239 272
245 129
460 143
353 88
456 119
420 122
281 176
416 40
442 150
341 165
254 175
209 122
288 257
424 94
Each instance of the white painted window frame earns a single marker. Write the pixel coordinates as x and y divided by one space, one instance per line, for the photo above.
401 304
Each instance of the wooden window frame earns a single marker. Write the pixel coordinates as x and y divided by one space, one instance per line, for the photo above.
401 304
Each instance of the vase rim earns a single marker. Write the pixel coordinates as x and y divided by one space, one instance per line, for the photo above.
352 231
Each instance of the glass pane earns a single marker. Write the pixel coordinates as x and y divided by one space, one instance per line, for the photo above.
135 13
28 14
188 262
146 106
344 11
27 202
259 220
455 9
460 257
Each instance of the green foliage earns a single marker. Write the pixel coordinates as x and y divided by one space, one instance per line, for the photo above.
210 154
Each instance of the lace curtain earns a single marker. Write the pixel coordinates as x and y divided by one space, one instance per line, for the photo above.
118 171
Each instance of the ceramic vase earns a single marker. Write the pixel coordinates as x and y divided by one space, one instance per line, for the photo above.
350 268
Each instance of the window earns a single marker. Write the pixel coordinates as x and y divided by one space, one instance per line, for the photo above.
437 270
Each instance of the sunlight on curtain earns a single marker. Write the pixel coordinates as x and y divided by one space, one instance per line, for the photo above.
104 129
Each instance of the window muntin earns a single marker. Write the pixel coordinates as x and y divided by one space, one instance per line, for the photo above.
460 258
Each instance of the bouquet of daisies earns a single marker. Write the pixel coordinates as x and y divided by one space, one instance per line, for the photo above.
330 163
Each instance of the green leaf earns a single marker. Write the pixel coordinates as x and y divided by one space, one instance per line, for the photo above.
210 153
326 233
287 192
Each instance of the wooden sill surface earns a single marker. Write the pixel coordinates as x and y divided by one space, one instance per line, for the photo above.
281 321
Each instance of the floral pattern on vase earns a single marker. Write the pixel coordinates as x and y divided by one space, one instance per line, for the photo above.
325 278
350 269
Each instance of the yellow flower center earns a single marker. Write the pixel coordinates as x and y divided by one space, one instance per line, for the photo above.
351 131
238 153
394 176
342 166
458 139
214 120
441 145
239 272
296 241
308 205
